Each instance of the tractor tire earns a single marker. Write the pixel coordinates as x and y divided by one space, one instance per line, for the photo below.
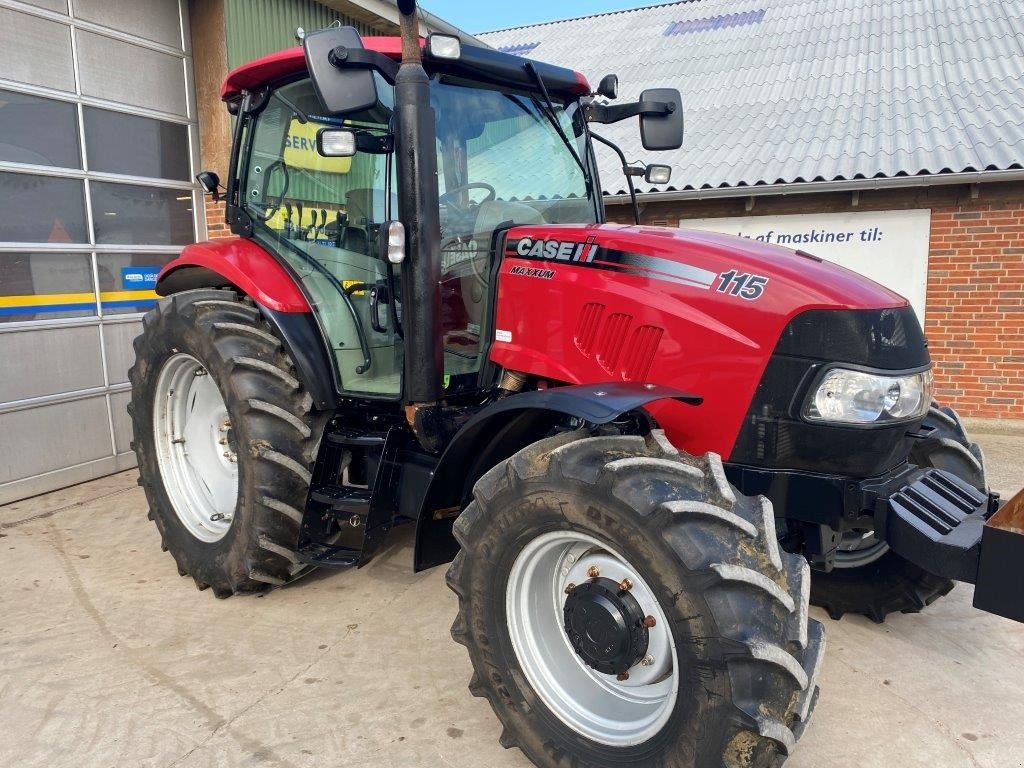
729 675
263 430
890 583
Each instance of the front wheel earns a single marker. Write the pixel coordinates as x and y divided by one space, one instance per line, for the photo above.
623 606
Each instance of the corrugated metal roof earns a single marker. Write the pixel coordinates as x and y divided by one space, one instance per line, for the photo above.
781 91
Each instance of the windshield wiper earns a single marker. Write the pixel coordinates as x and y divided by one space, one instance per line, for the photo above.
548 108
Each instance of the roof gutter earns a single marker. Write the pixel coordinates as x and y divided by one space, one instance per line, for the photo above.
819 187
388 9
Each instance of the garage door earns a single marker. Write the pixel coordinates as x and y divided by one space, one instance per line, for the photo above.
98 147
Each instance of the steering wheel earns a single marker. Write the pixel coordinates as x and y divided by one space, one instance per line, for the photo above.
270 208
448 198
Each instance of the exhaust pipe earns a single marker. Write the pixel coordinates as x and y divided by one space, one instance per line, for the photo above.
416 165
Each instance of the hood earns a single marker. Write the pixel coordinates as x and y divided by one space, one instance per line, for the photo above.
702 259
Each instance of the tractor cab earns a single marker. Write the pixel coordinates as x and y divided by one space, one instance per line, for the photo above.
317 185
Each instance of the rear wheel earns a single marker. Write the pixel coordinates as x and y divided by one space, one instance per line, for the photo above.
225 437
871 580
623 606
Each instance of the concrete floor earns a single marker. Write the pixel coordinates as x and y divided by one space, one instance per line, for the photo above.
108 658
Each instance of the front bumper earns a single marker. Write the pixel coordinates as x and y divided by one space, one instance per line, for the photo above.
928 516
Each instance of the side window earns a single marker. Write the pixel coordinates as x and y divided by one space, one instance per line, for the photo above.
321 215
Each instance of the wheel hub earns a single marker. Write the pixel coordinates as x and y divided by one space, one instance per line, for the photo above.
605 625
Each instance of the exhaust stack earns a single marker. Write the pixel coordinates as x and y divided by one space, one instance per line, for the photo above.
416 165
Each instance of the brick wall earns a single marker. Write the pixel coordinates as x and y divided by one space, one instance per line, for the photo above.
975 303
215 224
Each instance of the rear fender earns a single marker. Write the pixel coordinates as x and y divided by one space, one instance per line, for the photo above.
499 431
244 266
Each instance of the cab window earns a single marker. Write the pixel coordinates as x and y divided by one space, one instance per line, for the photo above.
321 215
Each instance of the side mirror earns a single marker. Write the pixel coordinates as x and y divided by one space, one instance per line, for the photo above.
664 131
341 90
210 182
658 174
336 142
609 87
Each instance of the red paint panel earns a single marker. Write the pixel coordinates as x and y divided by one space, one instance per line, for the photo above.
292 60
247 266
686 334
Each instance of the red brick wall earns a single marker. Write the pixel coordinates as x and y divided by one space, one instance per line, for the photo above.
215 224
975 321
975 303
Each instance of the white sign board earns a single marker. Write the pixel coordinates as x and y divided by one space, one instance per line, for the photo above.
890 247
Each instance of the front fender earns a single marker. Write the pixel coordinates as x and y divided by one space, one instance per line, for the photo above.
505 427
240 263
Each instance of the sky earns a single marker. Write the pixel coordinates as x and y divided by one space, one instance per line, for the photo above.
485 15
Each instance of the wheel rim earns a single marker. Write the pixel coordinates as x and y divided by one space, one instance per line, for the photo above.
195 448
859 548
599 706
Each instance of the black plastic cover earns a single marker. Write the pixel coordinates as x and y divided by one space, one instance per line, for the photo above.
774 435
352 90
662 132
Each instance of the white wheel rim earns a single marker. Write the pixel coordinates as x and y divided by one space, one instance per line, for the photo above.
195 448
859 548
596 705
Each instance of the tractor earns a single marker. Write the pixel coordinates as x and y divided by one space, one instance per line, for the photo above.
644 451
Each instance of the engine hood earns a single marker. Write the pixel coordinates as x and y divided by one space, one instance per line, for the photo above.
702 259
698 311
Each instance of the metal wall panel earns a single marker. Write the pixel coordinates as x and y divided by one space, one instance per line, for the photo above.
53 437
155 20
122 421
46 361
57 6
258 27
70 306
35 51
117 341
119 71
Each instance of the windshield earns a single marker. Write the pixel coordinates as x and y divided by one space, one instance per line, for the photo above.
500 162
504 145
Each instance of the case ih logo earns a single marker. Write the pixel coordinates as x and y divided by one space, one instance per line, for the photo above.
735 282
558 250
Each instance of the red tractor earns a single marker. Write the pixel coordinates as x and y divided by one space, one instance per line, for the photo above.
646 449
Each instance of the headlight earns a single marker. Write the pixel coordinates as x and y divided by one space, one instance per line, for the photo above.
858 397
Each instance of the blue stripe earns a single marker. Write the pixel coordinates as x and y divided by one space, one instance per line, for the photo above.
130 303
39 309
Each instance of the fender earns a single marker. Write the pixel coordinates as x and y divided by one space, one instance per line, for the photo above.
503 428
246 267
239 263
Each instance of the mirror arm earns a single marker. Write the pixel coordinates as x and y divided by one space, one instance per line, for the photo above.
358 58
626 170
613 113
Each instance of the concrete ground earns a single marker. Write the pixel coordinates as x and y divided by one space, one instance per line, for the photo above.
108 658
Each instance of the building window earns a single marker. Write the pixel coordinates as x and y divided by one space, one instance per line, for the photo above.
38 131
130 214
135 146
45 286
127 280
42 209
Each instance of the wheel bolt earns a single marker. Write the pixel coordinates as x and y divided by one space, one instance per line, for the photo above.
593 572
625 585
649 622
622 677
647 661
570 588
